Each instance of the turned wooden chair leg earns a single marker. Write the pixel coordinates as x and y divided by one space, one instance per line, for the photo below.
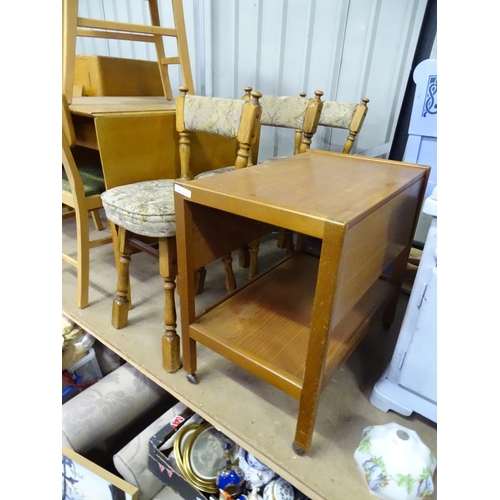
253 248
116 251
290 247
281 238
244 256
200 276
227 260
96 216
119 317
171 342
301 242
83 258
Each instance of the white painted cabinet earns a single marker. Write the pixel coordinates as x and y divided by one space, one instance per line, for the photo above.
410 381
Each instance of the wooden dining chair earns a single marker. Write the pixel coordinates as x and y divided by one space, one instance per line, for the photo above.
82 186
291 112
146 209
347 116
281 112
296 113
75 26
340 115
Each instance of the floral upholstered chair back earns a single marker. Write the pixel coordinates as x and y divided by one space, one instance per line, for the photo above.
293 112
233 118
344 115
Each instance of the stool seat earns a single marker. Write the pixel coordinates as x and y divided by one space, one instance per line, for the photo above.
145 208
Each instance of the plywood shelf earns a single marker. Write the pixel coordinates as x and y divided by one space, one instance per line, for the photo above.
258 415
255 414
267 324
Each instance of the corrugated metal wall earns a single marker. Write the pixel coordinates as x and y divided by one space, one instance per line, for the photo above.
349 49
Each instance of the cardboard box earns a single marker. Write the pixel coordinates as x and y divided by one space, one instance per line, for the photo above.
160 466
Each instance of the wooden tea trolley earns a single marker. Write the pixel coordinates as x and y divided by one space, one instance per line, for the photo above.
296 323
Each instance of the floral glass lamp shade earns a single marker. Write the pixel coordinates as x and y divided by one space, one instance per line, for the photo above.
395 463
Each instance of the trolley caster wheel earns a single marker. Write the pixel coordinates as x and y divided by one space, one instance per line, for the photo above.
297 449
192 378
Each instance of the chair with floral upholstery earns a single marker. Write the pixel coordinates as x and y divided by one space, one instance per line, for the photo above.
291 112
146 209
339 115
82 185
345 115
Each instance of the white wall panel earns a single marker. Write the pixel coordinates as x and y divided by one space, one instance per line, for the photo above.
93 9
349 49
224 49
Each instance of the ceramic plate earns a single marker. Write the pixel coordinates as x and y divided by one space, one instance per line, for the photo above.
253 476
283 490
255 463
268 490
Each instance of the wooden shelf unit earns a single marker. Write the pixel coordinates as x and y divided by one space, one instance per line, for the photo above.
296 323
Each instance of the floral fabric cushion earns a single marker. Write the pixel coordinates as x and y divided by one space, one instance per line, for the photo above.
213 114
337 114
283 111
132 460
273 158
107 407
145 208
216 171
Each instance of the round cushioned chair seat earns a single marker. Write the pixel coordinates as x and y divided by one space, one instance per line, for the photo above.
216 171
273 158
145 208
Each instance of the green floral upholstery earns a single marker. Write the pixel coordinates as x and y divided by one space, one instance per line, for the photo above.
145 208
92 178
213 114
283 111
337 114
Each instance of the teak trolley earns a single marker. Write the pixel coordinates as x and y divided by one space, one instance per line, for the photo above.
296 323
